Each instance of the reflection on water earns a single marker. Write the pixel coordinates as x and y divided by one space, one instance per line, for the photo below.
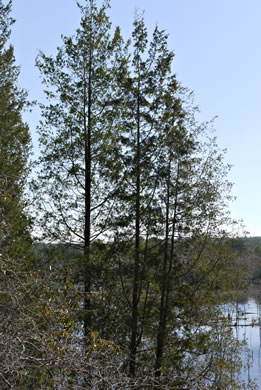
246 318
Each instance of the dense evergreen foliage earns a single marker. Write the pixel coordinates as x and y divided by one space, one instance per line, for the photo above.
131 207
14 146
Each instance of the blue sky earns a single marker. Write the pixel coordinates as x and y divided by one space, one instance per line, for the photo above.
217 45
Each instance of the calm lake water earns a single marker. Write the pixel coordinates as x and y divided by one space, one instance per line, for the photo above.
246 317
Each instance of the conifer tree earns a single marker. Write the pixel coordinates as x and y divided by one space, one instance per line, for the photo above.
170 202
122 160
77 136
144 85
14 147
192 196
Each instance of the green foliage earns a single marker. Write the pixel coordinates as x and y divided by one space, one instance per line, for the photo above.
77 131
14 146
240 245
123 155
132 196
250 242
258 250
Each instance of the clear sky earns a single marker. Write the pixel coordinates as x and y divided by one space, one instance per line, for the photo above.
217 45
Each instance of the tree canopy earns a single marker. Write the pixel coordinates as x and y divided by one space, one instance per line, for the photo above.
130 200
15 144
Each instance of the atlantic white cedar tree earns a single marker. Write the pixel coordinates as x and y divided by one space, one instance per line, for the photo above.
77 135
127 177
15 144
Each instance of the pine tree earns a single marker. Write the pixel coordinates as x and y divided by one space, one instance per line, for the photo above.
14 148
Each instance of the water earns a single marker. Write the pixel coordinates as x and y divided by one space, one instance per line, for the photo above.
246 318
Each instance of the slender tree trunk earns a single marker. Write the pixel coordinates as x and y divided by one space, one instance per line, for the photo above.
135 299
167 277
161 333
87 221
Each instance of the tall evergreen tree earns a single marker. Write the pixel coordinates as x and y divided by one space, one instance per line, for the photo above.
144 85
123 160
77 135
170 206
191 197
14 147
